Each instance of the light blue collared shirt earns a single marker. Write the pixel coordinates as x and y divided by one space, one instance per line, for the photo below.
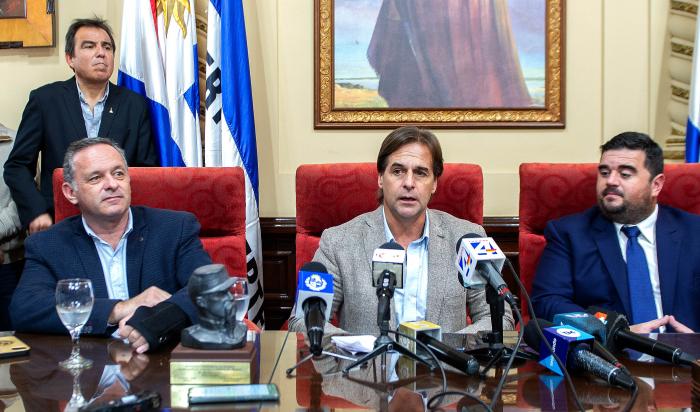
92 118
113 261
410 302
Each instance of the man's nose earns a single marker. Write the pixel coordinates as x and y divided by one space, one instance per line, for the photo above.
409 180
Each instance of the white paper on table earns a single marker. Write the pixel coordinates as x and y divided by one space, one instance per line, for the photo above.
355 344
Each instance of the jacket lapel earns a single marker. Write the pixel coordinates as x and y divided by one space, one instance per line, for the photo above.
90 261
110 110
75 112
609 248
668 248
438 254
135 246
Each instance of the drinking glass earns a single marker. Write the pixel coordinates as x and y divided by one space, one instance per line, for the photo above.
239 290
74 300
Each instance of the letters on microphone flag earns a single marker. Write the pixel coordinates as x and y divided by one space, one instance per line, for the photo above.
692 131
158 60
229 131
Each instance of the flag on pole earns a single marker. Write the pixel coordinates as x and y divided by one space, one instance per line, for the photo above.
692 130
229 131
158 60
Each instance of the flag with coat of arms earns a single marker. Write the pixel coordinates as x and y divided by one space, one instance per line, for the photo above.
158 59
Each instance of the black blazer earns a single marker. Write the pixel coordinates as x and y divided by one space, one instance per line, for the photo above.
51 121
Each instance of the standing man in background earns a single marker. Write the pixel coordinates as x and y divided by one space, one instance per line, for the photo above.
87 105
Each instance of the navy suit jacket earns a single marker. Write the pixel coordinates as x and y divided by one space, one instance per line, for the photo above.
163 249
582 265
51 121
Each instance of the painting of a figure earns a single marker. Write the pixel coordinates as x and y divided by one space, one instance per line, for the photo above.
12 9
444 54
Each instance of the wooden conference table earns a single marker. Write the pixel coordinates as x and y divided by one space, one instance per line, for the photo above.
37 383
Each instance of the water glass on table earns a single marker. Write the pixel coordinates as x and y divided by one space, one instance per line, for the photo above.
74 301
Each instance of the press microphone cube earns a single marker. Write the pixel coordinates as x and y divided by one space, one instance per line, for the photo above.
585 322
562 340
473 250
391 260
314 285
412 329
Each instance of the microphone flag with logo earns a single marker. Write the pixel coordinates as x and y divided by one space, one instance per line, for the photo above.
314 283
471 251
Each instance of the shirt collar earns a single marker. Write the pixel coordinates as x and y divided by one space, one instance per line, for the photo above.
82 96
129 228
426 229
647 227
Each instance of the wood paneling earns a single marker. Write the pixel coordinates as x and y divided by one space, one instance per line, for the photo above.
279 261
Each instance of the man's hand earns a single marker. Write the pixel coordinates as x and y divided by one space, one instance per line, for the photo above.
41 222
652 325
137 341
149 297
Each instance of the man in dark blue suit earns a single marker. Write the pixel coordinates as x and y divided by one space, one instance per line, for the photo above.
86 105
139 259
626 254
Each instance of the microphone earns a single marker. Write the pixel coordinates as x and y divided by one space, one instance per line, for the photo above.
385 291
620 337
479 261
591 325
314 302
461 361
570 346
389 256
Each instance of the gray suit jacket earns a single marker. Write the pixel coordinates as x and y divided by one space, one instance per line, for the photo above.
347 251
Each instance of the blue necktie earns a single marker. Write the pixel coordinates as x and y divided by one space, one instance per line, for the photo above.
641 294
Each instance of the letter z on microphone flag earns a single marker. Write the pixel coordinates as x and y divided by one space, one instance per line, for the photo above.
692 130
158 60
229 131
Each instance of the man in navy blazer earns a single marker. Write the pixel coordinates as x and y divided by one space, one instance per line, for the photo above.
86 105
139 259
585 261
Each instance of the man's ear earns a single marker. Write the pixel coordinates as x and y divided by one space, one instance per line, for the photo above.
657 183
69 193
69 61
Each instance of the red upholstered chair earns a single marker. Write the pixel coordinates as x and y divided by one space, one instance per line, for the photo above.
331 194
215 195
552 190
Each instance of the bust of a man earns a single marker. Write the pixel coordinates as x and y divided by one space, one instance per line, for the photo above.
208 288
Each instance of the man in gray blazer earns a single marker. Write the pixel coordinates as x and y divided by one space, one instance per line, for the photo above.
409 165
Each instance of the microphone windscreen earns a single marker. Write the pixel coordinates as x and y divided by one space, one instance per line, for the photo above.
313 267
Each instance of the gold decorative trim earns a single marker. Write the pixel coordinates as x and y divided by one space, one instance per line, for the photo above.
328 117
684 7
680 92
682 49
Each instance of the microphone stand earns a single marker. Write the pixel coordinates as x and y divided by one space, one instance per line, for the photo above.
384 344
496 353
311 355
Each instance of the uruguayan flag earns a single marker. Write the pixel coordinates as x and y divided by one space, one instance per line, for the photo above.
158 59
692 131
229 133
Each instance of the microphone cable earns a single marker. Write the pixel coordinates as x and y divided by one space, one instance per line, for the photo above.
562 367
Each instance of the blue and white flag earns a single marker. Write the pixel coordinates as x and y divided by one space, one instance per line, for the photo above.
158 59
229 131
692 131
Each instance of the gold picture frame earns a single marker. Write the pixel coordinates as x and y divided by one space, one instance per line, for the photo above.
329 115
36 29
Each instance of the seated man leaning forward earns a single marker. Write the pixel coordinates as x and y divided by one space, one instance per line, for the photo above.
138 258
408 165
627 254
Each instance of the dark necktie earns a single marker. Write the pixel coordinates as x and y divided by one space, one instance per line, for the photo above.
641 294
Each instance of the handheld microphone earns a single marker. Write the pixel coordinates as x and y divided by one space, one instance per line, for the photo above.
593 326
620 337
576 356
461 361
389 256
479 261
314 302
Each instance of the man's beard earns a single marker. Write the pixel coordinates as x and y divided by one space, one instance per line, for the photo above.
627 213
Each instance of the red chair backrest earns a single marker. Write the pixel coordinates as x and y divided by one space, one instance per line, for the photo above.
215 195
553 190
331 194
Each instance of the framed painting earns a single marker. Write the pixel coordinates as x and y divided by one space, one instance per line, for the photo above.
439 63
26 23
